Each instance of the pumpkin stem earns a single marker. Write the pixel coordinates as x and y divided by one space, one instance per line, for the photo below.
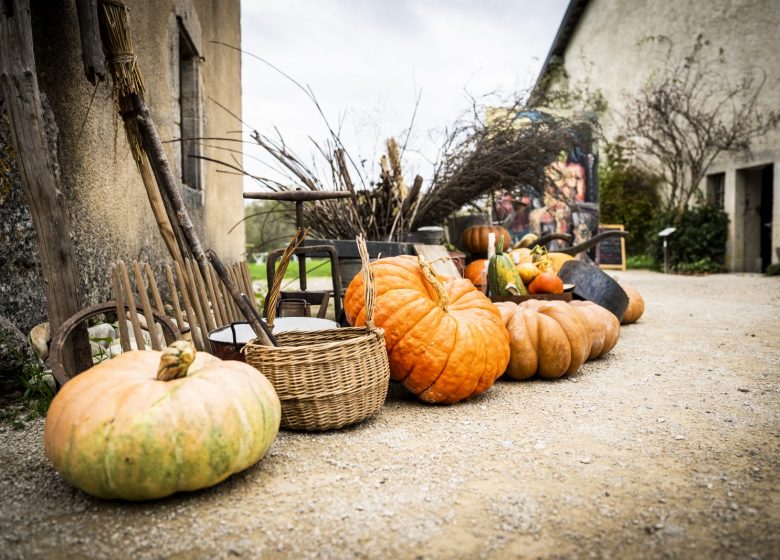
175 360
441 291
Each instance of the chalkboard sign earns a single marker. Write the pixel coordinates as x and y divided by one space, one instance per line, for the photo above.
611 253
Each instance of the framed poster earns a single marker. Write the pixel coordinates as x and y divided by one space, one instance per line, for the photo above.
611 253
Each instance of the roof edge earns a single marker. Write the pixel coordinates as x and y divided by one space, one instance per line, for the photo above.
571 19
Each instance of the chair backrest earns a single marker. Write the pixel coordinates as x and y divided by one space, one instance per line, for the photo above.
197 304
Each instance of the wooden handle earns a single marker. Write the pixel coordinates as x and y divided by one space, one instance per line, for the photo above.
263 333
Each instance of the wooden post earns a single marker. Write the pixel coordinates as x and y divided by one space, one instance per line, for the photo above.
37 171
91 46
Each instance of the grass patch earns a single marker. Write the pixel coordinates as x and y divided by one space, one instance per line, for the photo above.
314 268
636 262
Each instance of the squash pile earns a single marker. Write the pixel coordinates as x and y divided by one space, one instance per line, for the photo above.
554 338
146 424
445 340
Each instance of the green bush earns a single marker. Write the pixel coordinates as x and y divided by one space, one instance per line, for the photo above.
698 245
773 270
628 196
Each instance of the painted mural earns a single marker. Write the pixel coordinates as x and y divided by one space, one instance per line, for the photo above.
569 203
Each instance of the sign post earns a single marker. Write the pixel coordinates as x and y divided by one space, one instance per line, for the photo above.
665 235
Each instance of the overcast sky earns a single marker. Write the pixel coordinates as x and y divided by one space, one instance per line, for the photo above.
368 60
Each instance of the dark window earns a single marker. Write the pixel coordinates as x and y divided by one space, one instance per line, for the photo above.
190 110
716 189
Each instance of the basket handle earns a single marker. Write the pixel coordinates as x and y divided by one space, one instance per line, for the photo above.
275 290
369 289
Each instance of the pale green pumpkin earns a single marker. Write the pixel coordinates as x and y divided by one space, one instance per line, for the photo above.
147 424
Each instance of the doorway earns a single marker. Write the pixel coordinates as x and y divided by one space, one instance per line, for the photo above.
767 194
758 189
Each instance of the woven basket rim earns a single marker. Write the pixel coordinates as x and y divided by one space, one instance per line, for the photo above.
319 346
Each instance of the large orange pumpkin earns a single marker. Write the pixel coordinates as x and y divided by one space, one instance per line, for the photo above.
474 239
147 424
445 340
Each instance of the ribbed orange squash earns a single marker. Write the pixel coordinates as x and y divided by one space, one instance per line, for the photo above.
546 338
445 340
474 239
603 325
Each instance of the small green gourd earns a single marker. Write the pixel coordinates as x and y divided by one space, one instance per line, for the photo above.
502 277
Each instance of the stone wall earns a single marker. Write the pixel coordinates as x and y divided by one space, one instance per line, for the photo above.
22 296
109 209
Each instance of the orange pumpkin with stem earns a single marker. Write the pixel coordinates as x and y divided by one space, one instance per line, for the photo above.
445 340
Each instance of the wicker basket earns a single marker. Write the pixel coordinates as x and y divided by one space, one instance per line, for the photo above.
326 379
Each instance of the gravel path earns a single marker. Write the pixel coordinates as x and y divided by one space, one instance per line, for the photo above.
667 447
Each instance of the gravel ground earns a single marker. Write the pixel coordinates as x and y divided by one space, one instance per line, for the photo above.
667 447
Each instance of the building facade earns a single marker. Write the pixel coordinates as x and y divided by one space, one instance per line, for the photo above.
614 47
187 77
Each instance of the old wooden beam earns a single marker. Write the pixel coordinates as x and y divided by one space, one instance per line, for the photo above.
91 45
37 166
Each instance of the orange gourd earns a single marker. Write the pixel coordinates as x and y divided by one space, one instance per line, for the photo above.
445 340
476 271
546 283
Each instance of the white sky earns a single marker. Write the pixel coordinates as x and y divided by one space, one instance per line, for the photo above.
367 60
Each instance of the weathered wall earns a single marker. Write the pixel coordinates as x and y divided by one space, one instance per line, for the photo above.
108 204
608 51
21 284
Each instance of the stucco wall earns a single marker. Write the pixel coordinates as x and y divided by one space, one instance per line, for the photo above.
109 209
608 51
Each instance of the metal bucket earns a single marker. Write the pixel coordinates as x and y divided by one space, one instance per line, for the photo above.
227 342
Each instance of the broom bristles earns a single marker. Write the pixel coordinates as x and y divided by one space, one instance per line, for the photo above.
123 65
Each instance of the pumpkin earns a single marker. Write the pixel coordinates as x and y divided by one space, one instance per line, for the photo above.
476 271
550 339
520 256
475 238
502 277
558 259
546 283
603 325
636 306
445 340
147 424
528 271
